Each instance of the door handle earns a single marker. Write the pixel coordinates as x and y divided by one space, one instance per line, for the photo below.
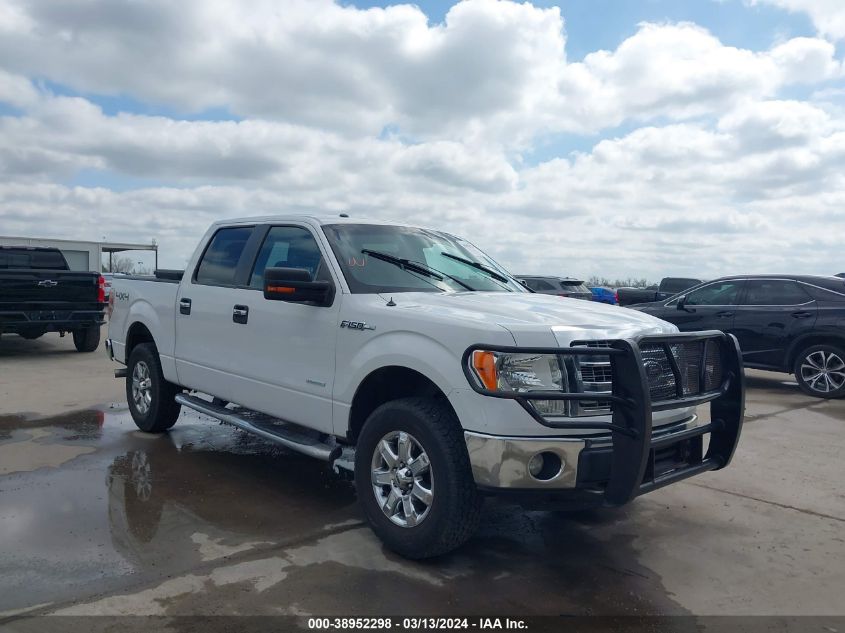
802 314
240 314
184 306
724 314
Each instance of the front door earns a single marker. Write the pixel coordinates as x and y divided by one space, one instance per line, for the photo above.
285 352
710 307
771 314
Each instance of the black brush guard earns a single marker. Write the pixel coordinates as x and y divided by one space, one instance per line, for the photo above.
631 422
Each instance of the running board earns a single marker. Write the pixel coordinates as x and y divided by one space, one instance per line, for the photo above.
271 429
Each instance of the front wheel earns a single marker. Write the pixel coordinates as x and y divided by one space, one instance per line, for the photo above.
151 398
413 478
87 339
820 371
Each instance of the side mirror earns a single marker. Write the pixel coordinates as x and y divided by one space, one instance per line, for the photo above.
295 285
682 302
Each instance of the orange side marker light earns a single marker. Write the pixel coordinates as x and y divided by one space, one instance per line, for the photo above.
484 364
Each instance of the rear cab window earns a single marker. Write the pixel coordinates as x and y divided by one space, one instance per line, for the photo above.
34 259
677 284
219 262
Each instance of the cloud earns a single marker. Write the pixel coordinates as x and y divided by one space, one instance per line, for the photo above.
493 70
713 165
827 15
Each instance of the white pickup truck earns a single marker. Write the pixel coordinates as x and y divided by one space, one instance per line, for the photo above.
413 361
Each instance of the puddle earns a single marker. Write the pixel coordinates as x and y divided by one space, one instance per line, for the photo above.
207 519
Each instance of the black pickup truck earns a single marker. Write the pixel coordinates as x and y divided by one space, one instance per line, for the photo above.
40 294
669 287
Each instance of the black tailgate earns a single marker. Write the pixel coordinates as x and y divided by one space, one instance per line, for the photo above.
48 289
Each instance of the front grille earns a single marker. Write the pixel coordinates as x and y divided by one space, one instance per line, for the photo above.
593 373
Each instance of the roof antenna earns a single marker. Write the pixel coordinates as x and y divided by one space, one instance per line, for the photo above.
391 303
344 215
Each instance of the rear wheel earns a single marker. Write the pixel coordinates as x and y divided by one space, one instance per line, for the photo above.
820 371
151 398
413 478
87 339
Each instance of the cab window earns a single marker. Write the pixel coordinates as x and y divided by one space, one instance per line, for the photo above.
220 260
288 247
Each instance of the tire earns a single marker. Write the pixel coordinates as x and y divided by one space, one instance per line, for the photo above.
150 396
820 371
454 508
87 339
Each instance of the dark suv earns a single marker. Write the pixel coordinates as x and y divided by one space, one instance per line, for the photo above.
789 323
560 286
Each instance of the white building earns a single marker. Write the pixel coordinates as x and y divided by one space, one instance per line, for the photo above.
82 255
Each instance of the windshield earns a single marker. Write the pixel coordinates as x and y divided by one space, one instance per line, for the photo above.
366 273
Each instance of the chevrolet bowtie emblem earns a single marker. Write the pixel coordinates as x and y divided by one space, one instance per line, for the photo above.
48 283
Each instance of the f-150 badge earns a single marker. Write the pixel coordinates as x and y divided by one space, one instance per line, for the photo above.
356 325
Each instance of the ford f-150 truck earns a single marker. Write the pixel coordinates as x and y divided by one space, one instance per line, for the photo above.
411 361
39 294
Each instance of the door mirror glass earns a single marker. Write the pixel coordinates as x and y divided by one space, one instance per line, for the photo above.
296 286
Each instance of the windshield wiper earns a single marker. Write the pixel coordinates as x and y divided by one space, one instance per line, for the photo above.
492 273
407 264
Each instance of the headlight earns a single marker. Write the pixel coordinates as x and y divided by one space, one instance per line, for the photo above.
519 373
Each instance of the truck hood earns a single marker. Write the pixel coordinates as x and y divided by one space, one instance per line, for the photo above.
523 313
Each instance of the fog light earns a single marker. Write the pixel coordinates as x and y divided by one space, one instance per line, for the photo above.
545 466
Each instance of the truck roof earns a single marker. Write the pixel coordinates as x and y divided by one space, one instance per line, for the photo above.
314 218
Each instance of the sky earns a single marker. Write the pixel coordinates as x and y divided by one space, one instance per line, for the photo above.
615 138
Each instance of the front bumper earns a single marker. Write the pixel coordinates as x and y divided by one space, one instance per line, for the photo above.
632 458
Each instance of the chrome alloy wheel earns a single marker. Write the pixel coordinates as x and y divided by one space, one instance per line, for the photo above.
142 387
142 476
402 479
823 371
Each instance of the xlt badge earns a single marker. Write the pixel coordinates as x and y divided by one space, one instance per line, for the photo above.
356 325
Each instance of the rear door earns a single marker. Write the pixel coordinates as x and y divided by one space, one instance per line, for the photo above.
206 358
710 307
771 314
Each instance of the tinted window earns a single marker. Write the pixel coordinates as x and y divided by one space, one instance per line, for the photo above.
286 247
721 293
774 292
220 260
677 284
574 286
539 284
25 258
821 294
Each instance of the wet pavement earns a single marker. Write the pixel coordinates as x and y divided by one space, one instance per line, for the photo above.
99 518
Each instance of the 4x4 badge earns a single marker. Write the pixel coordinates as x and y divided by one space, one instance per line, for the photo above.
356 325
